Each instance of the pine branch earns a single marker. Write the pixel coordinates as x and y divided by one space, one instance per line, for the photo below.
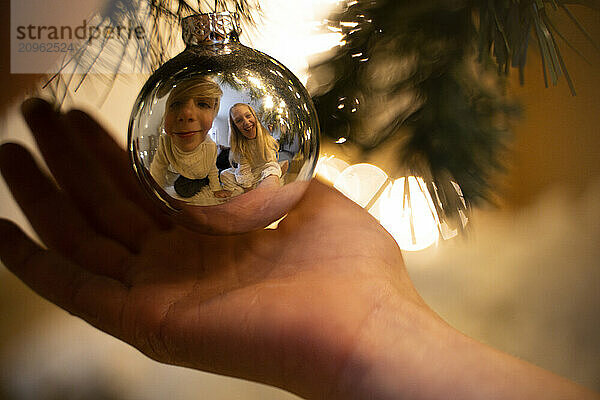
160 20
593 4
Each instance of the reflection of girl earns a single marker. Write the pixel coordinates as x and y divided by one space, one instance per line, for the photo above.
252 148
186 149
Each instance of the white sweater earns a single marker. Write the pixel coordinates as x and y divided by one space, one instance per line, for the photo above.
248 175
196 164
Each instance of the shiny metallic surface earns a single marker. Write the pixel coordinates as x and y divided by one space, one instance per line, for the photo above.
210 28
245 76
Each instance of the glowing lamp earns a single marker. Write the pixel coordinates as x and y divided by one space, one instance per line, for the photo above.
408 213
364 184
329 168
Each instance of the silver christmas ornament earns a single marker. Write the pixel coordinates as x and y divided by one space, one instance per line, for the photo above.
222 136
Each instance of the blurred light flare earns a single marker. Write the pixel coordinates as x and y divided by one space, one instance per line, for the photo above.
329 168
360 183
409 216
299 21
408 213
404 207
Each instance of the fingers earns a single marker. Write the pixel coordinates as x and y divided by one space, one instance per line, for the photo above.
115 161
55 219
83 179
97 299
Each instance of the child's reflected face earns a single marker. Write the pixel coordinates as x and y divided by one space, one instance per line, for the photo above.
244 120
188 120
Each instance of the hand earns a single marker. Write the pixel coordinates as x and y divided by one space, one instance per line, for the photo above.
321 306
270 306
222 193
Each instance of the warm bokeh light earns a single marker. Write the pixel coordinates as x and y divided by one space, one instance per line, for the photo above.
363 183
413 224
329 168
404 207
407 212
304 36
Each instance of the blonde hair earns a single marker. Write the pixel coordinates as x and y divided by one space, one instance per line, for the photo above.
266 144
196 87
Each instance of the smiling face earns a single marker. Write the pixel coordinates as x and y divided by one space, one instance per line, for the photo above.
188 120
244 120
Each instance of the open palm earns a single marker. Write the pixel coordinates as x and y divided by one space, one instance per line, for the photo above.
269 305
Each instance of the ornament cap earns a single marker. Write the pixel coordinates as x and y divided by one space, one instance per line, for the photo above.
211 28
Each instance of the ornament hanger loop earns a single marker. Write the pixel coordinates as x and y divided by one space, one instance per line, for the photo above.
211 28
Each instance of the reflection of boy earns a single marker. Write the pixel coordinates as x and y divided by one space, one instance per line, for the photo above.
186 148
